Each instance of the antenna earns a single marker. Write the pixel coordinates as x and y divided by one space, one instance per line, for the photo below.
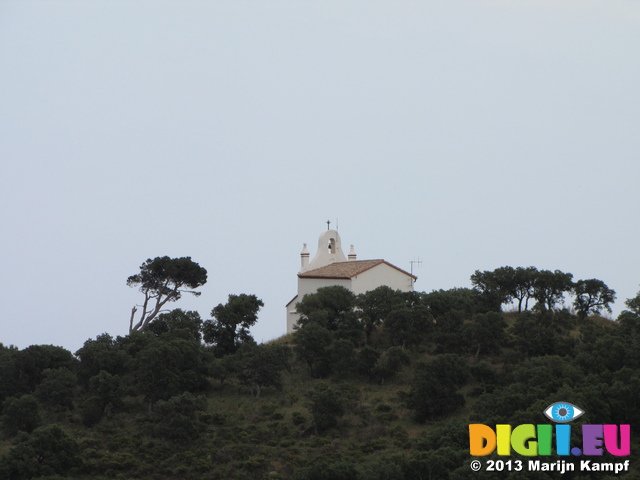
417 263
336 224
328 223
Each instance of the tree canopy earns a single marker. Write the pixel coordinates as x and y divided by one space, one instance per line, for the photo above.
377 386
506 284
229 328
592 295
163 280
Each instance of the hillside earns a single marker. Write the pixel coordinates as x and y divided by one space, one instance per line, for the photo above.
385 390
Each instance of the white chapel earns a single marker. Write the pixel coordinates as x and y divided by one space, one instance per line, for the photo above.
330 267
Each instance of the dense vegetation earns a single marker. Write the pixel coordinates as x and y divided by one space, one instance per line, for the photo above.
377 386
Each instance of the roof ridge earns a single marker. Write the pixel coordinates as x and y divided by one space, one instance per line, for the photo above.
347 270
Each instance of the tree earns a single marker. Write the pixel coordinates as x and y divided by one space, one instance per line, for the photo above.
20 414
390 363
107 388
48 451
334 305
486 332
592 296
9 372
103 353
163 280
104 389
366 361
374 307
409 322
493 286
341 355
178 323
448 332
396 358
434 389
229 328
544 332
441 302
311 343
168 367
532 337
180 418
262 366
505 284
634 304
549 288
630 320
327 405
224 368
57 388
35 359
522 288
630 323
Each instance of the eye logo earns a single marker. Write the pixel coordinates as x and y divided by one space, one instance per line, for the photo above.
563 412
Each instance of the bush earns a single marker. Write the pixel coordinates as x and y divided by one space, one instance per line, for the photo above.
298 418
434 390
366 361
20 414
57 388
328 471
327 406
92 411
180 418
47 451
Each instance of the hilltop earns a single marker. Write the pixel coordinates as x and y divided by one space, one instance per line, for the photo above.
380 386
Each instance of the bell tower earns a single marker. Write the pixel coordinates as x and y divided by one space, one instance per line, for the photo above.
329 250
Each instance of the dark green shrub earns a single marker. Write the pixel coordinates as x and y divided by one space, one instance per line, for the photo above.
327 405
57 388
180 418
298 418
46 451
322 470
20 414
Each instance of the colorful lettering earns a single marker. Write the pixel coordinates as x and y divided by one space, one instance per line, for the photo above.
530 440
482 440
621 449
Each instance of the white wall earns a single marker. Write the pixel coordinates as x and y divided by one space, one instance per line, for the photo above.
382 274
292 316
311 285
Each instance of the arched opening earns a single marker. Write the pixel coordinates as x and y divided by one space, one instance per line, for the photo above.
331 248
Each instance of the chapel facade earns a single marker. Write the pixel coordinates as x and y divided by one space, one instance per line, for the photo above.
329 267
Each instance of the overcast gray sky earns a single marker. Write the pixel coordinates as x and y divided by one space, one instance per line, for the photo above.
469 134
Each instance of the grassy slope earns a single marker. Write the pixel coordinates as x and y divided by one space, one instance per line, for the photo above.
267 437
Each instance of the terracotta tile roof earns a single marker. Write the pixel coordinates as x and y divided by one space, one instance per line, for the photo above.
346 270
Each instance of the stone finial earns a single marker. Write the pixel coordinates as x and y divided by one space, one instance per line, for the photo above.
304 258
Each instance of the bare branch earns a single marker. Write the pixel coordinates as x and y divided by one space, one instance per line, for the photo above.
133 313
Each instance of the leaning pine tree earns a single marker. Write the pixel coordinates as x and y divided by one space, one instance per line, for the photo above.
163 280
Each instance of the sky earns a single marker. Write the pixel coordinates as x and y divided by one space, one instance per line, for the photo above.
468 135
